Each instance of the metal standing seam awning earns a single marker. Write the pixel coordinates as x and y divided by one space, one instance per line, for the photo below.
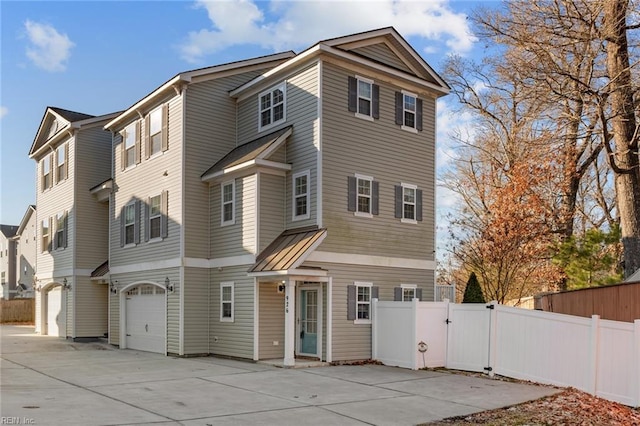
288 251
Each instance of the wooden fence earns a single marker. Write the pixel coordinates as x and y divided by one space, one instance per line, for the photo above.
17 310
619 302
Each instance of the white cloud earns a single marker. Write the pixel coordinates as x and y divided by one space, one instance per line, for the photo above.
3 111
281 25
48 49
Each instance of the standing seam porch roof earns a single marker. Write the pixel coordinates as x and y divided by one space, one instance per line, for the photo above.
289 249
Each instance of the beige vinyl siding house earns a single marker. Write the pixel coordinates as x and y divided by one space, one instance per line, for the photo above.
72 153
26 253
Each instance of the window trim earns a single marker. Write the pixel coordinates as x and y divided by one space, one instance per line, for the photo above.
231 221
125 224
47 184
45 244
368 285
224 284
65 154
404 125
415 203
131 129
159 110
158 216
413 287
272 123
359 114
370 179
295 196
60 232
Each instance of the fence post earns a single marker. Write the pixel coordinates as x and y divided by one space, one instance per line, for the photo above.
374 329
414 334
493 333
636 361
593 354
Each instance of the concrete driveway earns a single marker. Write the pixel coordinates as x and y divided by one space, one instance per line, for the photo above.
51 381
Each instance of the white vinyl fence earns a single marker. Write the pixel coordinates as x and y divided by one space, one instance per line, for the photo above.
597 356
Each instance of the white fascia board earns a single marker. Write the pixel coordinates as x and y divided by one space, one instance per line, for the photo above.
62 134
291 272
370 260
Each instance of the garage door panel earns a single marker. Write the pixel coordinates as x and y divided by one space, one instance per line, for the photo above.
146 321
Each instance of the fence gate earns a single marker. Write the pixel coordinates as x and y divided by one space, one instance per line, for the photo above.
468 336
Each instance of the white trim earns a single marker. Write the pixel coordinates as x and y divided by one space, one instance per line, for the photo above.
329 320
283 88
232 301
415 203
219 262
409 129
232 221
370 98
294 196
360 177
370 286
146 266
319 168
256 320
369 260
263 165
404 287
318 288
300 274
364 117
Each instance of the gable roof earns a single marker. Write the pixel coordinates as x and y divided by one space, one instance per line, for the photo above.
56 122
8 230
406 64
101 271
174 84
25 219
289 250
635 277
249 154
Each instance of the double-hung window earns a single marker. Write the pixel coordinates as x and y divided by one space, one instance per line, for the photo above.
408 111
61 229
228 203
408 203
272 106
364 98
301 195
359 297
46 235
61 162
46 172
129 213
406 293
155 216
130 142
363 195
155 131
226 301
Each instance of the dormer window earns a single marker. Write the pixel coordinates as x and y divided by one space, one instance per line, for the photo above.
271 106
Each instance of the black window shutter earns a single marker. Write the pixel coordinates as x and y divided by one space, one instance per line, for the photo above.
351 190
399 108
397 294
147 219
419 294
65 234
419 204
164 214
122 222
419 115
399 212
136 223
375 102
351 302
353 94
374 292
375 198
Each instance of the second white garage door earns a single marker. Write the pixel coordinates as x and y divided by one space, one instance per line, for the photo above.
146 318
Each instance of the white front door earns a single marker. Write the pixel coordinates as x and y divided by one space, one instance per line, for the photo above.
55 319
146 318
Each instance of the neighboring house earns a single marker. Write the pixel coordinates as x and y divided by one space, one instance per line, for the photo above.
258 207
73 154
26 253
8 261
635 277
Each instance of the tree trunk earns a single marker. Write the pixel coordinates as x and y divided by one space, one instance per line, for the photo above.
625 156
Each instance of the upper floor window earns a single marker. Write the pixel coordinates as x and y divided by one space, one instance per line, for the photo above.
301 195
45 228
131 139
228 203
363 195
364 97
62 154
130 224
359 297
226 302
156 217
156 136
60 237
408 111
272 104
46 172
408 203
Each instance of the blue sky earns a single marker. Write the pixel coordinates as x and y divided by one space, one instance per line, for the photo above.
101 57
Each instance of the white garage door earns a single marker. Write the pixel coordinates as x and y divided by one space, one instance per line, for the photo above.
146 318
55 319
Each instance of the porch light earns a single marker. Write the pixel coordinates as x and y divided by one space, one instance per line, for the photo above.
66 285
168 285
113 287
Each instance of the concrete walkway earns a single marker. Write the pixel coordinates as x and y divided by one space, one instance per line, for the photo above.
51 381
